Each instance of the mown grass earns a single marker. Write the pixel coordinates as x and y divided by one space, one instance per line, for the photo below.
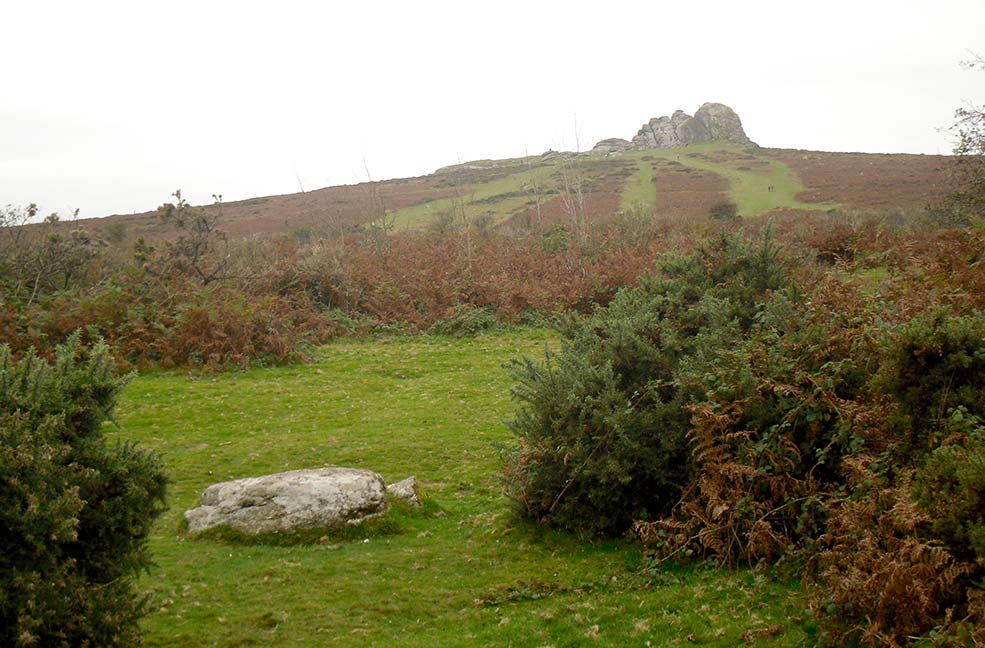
463 572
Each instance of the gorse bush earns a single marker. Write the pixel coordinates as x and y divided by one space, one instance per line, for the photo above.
855 449
602 426
904 557
934 364
75 511
736 415
776 413
951 485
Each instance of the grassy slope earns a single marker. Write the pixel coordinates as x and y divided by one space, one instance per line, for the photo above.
748 187
640 190
497 198
856 181
468 574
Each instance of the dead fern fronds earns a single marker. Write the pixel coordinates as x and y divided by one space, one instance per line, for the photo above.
879 584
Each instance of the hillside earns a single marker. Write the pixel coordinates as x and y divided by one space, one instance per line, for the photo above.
550 188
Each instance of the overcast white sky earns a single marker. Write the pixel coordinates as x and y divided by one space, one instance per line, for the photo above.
110 106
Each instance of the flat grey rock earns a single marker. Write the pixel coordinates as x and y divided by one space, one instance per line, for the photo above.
323 498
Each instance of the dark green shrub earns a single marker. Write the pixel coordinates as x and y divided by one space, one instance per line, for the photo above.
724 211
950 487
904 555
556 239
933 365
777 415
75 512
602 426
904 558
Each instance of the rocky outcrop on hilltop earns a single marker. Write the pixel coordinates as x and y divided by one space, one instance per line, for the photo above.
712 121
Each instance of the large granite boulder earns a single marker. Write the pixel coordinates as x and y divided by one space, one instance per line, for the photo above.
712 121
323 498
721 123
612 145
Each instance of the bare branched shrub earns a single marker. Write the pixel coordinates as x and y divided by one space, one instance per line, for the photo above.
201 248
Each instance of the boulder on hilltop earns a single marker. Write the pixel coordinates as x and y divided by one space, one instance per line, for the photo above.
722 124
613 145
711 122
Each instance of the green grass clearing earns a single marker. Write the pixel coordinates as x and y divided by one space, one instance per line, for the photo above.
640 190
748 187
498 199
464 572
749 176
